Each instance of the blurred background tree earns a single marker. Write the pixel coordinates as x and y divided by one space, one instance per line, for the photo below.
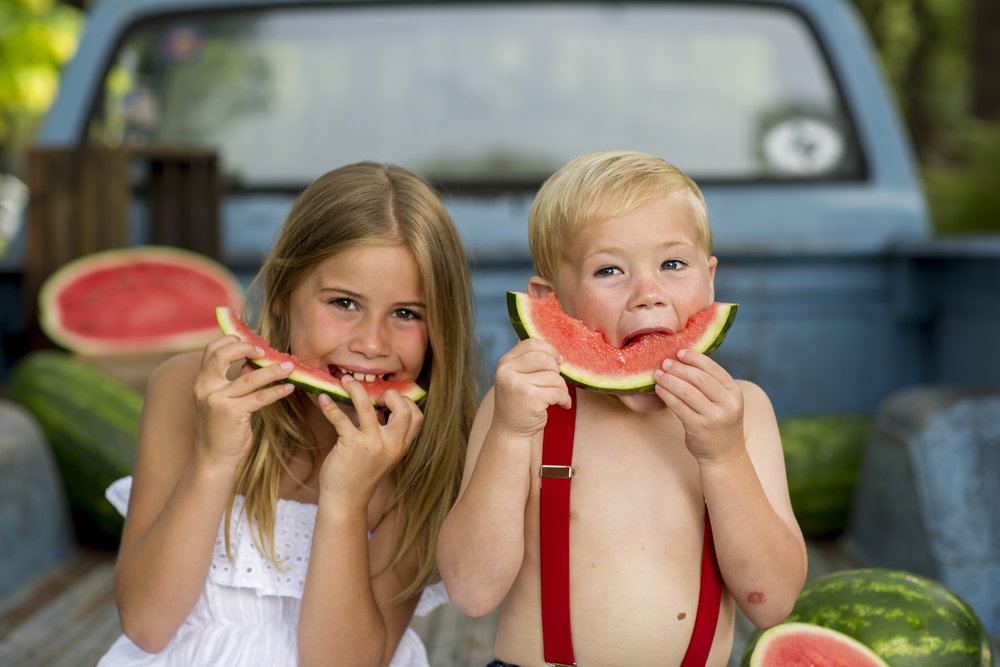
36 38
941 57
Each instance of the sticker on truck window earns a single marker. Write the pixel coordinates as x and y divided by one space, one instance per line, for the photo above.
803 145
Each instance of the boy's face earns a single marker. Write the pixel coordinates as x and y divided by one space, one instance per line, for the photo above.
638 273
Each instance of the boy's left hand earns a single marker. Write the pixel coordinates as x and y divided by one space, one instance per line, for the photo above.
708 402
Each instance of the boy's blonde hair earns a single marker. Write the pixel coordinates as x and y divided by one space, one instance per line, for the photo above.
596 187
369 204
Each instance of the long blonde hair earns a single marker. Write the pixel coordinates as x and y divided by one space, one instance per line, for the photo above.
373 204
597 186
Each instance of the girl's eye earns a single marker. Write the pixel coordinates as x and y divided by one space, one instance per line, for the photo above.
672 265
407 314
344 303
607 271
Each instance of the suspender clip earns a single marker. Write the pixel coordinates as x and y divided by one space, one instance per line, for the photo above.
556 472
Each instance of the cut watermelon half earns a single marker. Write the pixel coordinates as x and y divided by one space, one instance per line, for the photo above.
807 645
590 361
313 380
142 299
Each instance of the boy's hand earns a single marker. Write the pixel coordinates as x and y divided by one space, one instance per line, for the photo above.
708 403
527 383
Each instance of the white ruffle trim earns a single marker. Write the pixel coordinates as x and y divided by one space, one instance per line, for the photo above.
250 569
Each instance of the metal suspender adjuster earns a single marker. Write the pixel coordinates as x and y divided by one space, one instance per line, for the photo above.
555 472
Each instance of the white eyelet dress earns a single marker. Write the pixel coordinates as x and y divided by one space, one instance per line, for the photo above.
248 612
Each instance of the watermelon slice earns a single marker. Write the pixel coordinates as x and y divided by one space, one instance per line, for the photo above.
142 299
313 380
591 362
804 644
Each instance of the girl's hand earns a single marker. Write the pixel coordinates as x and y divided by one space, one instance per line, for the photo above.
224 406
364 453
527 383
708 403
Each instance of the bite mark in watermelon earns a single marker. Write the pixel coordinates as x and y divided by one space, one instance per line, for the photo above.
136 300
590 361
313 380
807 645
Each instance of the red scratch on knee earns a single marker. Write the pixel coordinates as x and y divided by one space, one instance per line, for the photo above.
756 597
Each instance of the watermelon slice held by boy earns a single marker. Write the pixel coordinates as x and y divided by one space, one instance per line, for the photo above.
590 361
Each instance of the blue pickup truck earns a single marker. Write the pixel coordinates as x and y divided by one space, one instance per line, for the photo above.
777 108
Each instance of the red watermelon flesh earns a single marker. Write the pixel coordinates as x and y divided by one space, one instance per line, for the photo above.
136 300
590 361
807 645
313 380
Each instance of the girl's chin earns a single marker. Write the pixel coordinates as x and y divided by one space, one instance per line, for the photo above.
648 402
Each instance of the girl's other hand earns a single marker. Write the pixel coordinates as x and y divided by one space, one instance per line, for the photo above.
365 452
224 405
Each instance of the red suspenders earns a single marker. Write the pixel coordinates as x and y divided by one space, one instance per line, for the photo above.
553 538
556 474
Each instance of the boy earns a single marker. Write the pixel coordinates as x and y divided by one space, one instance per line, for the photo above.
622 239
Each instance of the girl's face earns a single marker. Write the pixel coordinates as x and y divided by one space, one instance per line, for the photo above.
362 311
638 273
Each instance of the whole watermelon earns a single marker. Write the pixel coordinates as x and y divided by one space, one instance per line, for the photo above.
906 619
822 456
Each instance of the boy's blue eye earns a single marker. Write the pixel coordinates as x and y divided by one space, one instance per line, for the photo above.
607 271
672 265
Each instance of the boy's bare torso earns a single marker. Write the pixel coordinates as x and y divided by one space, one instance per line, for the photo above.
636 538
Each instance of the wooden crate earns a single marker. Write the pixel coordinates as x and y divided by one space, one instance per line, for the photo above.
81 199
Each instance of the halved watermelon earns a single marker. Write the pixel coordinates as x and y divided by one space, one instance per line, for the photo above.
313 380
807 645
590 361
136 300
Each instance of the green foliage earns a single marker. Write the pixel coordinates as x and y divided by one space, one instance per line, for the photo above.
963 195
36 38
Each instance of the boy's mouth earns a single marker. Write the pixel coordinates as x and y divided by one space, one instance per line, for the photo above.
337 372
636 336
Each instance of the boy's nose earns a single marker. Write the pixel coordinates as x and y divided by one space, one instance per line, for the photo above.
370 339
648 293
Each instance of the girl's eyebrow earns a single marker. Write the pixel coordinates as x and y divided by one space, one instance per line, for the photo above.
342 292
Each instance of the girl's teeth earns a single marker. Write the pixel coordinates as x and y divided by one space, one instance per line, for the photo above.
369 377
359 376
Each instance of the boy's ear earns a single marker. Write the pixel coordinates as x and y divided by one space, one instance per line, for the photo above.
713 262
540 287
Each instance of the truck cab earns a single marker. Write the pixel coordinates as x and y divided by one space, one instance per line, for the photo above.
777 109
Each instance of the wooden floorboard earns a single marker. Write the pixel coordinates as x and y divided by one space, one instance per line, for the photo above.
68 618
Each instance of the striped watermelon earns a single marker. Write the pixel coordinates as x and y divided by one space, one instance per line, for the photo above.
136 300
822 456
906 619
590 361
801 644
91 421
313 380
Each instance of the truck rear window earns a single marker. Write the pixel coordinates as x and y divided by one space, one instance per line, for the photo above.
484 94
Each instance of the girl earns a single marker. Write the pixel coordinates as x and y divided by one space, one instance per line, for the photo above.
268 527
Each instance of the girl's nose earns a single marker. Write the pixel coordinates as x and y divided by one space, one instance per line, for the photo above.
370 338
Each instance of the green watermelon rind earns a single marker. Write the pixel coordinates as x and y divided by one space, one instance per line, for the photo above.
778 632
91 422
50 314
304 377
907 619
518 308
